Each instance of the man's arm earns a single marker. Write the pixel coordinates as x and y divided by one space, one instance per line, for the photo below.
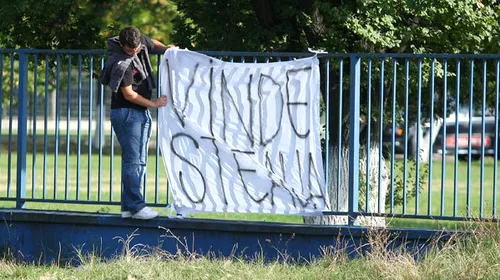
160 46
132 96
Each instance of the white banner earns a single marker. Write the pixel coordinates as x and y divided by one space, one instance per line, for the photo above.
241 137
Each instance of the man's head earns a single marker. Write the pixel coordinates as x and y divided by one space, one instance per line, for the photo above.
130 40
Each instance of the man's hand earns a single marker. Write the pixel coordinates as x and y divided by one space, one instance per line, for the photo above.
160 101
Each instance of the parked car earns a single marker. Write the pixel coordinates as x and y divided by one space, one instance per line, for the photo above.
399 133
461 141
448 144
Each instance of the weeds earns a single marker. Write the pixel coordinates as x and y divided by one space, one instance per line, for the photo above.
474 255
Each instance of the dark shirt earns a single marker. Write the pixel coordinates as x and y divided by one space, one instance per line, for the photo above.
132 77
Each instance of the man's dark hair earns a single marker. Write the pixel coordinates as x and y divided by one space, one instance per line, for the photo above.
130 36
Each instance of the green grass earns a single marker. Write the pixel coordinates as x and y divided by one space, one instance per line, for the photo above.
476 256
450 200
102 168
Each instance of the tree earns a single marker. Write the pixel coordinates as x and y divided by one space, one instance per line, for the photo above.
371 26
51 24
71 24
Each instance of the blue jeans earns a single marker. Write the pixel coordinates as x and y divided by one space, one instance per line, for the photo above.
133 130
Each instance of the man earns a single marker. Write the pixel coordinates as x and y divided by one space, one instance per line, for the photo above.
129 74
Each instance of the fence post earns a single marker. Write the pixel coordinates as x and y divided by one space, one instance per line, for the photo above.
354 106
22 122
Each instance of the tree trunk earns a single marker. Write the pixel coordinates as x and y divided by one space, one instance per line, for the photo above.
426 140
338 187
376 197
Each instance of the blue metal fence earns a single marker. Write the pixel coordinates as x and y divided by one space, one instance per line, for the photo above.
405 135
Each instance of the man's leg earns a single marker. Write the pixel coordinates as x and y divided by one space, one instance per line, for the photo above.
128 125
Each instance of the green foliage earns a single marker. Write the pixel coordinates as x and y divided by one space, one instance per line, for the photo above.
373 26
411 181
415 26
153 18
401 190
71 24
50 24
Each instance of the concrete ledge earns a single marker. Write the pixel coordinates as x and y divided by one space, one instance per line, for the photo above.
48 236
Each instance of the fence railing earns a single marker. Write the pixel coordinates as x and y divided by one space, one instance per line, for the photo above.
404 135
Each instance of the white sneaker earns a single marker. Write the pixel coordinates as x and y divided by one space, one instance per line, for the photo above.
145 214
126 214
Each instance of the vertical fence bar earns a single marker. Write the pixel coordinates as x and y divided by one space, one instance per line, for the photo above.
339 131
22 121
68 134
495 161
157 146
1 97
354 100
45 127
368 133
91 102
455 174
111 161
444 146
78 133
56 150
327 124
418 124
393 134
469 146
381 134
483 109
35 102
101 132
11 109
405 160
431 124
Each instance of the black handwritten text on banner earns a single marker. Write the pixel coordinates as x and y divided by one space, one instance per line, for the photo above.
239 137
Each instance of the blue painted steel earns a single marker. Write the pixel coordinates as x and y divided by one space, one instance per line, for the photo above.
413 97
469 143
495 155
11 110
91 102
56 149
101 136
78 133
35 237
481 175
22 121
354 112
368 132
381 134
431 125
455 176
1 97
445 109
393 136
339 131
157 150
111 164
405 165
327 125
35 102
45 128
419 118
68 134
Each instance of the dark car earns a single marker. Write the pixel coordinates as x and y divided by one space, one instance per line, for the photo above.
447 143
400 133
461 141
